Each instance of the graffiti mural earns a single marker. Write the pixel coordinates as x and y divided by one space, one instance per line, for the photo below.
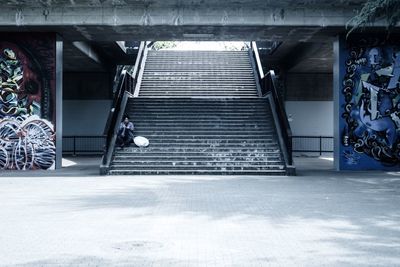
27 101
370 106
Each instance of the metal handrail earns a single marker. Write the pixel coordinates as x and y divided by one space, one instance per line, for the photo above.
269 88
260 70
114 112
281 112
126 82
139 68
301 143
138 61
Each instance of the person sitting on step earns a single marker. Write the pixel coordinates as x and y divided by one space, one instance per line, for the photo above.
125 132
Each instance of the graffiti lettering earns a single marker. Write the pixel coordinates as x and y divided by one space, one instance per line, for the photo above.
27 139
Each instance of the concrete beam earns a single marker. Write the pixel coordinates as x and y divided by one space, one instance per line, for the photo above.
179 22
90 52
121 44
197 3
175 16
301 52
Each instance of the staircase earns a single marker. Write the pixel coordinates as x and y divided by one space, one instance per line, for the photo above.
198 74
201 136
202 114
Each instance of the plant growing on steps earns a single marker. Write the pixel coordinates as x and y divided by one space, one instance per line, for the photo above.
376 10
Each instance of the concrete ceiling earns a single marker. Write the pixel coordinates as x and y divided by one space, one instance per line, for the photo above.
293 57
124 20
103 20
299 57
94 56
101 33
256 3
75 60
306 28
317 61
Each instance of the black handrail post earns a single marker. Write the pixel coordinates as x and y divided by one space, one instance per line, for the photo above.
74 141
320 145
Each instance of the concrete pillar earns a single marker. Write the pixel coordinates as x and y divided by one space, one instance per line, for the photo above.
367 103
31 94
59 95
336 104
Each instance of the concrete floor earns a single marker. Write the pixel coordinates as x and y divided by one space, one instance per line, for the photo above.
319 218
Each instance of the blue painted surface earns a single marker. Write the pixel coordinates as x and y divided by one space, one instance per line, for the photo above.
369 105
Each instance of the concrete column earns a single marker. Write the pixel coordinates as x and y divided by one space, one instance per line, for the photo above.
59 95
336 103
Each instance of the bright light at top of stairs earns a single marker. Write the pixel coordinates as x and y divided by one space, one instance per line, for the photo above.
207 46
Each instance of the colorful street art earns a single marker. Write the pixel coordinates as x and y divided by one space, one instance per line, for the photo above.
27 87
370 105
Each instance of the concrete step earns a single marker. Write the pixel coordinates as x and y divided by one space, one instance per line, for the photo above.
201 149
272 147
162 66
181 158
212 141
216 80
198 160
197 167
221 82
199 172
227 88
194 142
200 72
188 154
142 128
199 95
137 156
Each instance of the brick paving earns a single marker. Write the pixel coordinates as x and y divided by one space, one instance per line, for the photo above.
319 218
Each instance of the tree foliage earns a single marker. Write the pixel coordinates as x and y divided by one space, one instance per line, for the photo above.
375 10
164 45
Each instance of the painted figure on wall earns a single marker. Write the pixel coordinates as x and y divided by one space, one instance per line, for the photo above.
27 132
370 124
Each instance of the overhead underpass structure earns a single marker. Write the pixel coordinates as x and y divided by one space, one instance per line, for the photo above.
204 113
58 61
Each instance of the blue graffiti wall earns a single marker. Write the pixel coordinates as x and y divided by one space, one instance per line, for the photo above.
369 105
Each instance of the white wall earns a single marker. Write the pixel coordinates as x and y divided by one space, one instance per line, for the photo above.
310 117
85 117
88 117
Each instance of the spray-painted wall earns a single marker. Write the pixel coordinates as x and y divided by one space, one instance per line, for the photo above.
27 101
369 99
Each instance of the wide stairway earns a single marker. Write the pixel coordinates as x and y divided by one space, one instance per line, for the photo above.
202 114
198 74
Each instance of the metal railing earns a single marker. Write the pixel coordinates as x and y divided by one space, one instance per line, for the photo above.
312 144
268 83
268 86
83 144
94 144
125 85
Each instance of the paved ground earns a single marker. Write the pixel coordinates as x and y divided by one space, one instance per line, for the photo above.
319 218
